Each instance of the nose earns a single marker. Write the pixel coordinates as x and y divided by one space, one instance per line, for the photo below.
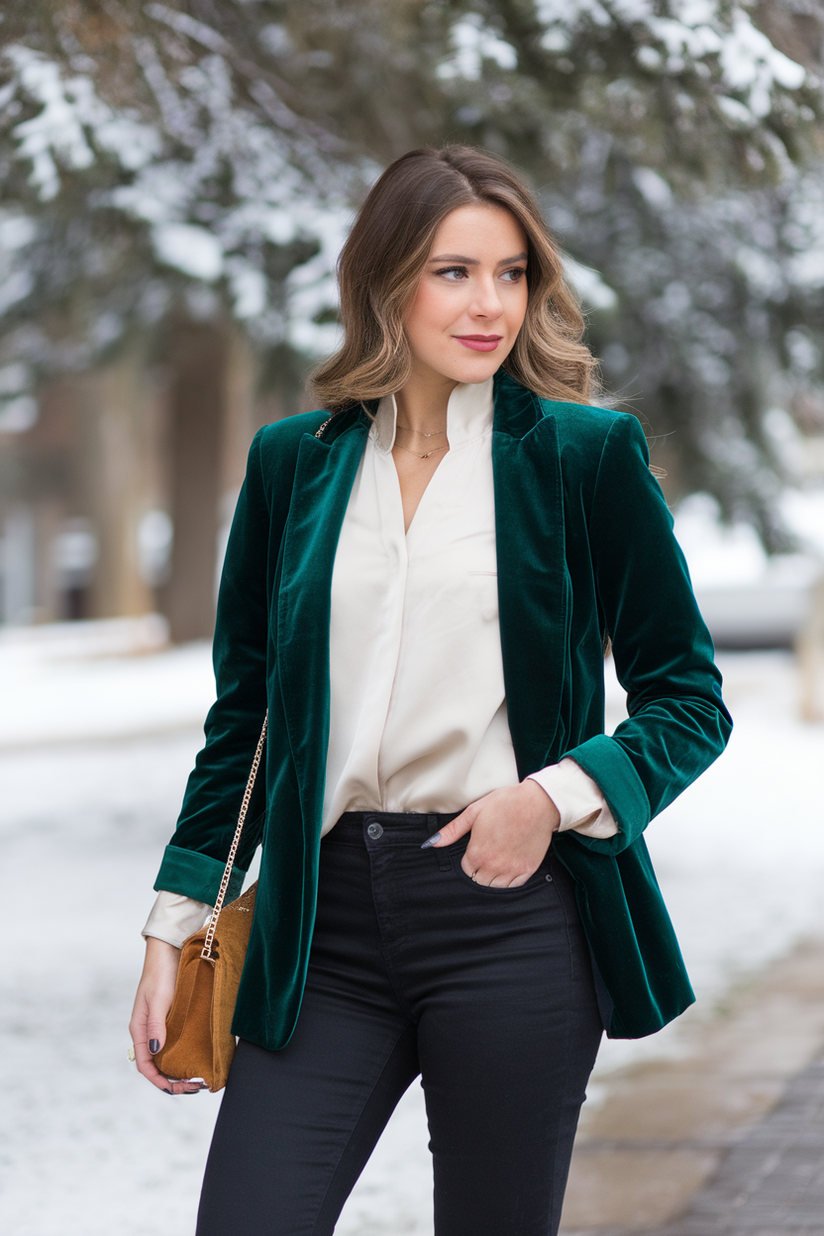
487 300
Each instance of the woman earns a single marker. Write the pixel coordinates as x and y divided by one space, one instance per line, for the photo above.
419 590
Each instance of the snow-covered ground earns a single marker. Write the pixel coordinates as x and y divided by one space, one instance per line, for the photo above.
95 746
750 600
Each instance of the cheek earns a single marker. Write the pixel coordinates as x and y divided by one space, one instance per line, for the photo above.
518 308
432 310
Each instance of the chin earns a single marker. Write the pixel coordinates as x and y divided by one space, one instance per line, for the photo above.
480 375
475 369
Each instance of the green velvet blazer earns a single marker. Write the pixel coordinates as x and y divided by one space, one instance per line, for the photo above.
585 549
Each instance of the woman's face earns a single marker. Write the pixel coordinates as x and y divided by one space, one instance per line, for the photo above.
471 300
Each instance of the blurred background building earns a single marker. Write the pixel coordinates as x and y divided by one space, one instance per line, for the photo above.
177 180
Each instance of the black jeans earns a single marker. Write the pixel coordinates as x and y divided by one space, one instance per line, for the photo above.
486 993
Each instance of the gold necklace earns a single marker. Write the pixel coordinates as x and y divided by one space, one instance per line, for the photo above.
418 455
437 434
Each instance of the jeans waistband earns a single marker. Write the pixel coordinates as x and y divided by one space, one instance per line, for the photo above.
405 826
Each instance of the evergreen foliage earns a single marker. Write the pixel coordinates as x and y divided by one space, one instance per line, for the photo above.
204 156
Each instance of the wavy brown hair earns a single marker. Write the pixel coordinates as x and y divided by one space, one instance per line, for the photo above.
382 262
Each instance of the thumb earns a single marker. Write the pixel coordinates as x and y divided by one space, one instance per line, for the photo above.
454 829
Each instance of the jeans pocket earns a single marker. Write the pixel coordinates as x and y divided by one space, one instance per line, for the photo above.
539 877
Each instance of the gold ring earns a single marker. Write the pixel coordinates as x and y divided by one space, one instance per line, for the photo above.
130 1054
474 873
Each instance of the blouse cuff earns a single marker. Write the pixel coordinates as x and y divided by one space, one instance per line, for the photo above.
582 806
174 918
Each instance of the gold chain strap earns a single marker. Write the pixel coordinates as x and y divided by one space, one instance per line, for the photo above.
322 429
206 951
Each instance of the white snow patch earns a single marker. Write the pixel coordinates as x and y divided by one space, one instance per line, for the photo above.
590 286
803 510
248 286
14 288
18 414
731 555
191 249
473 42
70 106
14 378
85 815
653 186
736 112
751 63
717 553
16 231
694 34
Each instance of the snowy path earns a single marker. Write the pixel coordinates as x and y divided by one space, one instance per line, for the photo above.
88 1149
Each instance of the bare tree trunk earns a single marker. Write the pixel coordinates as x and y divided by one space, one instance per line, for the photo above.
197 400
119 471
809 647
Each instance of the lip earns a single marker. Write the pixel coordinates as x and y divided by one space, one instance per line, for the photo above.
480 343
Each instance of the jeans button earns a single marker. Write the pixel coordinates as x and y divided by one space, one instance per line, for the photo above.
374 830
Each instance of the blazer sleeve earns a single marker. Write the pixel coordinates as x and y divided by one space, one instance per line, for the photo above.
194 860
663 652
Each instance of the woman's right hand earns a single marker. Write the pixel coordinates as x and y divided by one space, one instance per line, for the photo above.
151 1006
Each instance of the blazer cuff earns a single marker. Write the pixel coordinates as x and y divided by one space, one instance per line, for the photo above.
196 875
581 804
174 918
606 761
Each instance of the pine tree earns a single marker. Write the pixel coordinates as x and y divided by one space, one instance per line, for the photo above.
210 152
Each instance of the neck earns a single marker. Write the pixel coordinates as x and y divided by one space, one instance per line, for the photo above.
423 400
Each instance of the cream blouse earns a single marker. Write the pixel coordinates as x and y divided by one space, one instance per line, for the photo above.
417 710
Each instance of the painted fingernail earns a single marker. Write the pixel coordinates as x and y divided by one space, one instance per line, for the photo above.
154 1045
431 841
165 1091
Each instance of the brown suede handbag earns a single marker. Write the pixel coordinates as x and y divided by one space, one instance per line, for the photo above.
199 1040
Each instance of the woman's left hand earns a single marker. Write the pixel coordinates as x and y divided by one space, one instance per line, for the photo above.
511 832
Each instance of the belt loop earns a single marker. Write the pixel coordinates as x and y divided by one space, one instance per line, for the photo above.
444 862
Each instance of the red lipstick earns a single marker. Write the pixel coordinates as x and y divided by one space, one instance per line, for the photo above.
480 343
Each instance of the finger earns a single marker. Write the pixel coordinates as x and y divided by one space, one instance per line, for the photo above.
155 1031
479 870
454 829
193 1086
147 1067
489 877
148 1024
471 867
496 881
148 1036
486 876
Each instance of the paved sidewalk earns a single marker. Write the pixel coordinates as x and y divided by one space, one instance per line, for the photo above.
772 1182
727 1139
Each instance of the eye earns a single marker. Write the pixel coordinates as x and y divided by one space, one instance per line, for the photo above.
453 274
514 275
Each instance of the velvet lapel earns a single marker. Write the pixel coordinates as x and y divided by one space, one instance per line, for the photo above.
533 584
324 475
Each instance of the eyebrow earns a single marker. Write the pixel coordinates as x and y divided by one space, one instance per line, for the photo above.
465 261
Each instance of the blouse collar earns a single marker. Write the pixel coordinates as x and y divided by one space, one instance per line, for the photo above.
468 416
